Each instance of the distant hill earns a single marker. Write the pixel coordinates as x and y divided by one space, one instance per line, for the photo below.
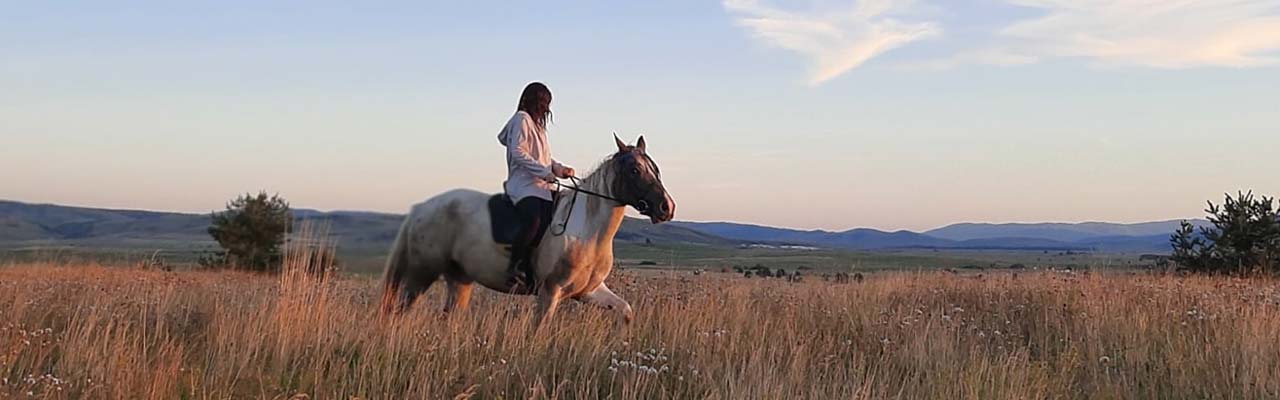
863 239
1143 237
1063 232
854 239
37 225
46 225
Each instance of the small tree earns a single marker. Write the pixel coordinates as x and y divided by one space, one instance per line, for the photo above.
1245 237
251 231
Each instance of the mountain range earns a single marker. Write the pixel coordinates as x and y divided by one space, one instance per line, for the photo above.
1086 236
38 225
43 225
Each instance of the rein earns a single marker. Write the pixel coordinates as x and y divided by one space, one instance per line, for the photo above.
576 188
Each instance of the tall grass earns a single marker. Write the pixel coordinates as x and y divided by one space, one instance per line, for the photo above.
90 331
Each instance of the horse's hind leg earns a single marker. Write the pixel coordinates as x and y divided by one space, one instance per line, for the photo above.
410 289
459 295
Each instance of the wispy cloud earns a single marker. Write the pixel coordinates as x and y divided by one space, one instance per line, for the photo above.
1152 33
834 40
1145 33
990 56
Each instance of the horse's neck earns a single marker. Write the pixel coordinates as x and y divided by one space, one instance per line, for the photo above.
603 216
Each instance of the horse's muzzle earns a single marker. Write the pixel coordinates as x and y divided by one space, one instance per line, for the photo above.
666 211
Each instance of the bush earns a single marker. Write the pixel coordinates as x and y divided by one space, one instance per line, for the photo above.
251 231
1244 238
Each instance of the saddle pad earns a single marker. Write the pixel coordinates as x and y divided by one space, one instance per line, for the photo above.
503 219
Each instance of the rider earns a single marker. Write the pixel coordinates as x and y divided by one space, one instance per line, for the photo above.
531 173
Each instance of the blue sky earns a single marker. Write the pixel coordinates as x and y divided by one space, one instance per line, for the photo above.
882 113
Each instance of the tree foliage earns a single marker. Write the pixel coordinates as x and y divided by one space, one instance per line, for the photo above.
251 231
1244 238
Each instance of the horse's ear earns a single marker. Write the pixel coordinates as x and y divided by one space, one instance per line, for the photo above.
640 143
621 146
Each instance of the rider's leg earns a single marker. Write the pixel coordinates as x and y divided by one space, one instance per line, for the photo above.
531 211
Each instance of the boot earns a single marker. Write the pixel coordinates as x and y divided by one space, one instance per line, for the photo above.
518 273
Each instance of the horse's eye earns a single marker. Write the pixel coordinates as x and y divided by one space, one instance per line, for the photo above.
635 171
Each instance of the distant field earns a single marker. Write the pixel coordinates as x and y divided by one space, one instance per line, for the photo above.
99 332
716 258
369 260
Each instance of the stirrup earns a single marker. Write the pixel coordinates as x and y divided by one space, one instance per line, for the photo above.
517 277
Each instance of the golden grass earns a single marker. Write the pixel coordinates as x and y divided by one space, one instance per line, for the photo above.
89 331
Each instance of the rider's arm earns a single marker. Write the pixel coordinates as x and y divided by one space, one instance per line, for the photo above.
518 148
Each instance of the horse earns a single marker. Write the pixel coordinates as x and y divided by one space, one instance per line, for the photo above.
451 236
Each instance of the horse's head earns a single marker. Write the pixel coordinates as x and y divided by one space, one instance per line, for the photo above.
638 182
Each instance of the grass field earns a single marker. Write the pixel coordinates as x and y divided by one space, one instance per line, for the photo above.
87 331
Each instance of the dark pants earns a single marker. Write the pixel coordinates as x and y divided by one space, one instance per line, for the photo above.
535 214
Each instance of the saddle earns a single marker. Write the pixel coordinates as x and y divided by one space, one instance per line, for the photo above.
505 220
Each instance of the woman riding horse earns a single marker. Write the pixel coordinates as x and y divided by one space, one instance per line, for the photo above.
531 174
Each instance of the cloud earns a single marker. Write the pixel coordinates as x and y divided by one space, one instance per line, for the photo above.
1150 33
990 56
835 41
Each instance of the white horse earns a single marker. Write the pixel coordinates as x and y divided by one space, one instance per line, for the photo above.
450 236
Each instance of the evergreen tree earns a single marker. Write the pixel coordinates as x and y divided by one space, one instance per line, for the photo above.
1244 238
251 231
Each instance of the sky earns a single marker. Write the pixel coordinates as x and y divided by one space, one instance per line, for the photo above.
889 114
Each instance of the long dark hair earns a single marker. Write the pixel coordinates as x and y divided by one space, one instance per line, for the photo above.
536 101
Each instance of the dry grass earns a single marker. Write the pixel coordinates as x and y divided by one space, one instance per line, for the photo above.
96 332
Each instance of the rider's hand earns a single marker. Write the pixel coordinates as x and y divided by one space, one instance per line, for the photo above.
568 172
550 178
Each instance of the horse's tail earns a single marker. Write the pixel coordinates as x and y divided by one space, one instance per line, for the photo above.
397 268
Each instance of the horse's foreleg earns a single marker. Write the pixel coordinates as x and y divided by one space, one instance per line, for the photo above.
604 298
548 300
459 296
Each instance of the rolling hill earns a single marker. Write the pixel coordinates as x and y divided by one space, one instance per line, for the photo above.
41 225
25 225
1062 232
1143 237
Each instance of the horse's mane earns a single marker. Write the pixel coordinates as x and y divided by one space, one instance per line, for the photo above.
598 179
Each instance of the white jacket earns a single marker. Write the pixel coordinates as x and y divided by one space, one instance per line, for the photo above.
530 168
